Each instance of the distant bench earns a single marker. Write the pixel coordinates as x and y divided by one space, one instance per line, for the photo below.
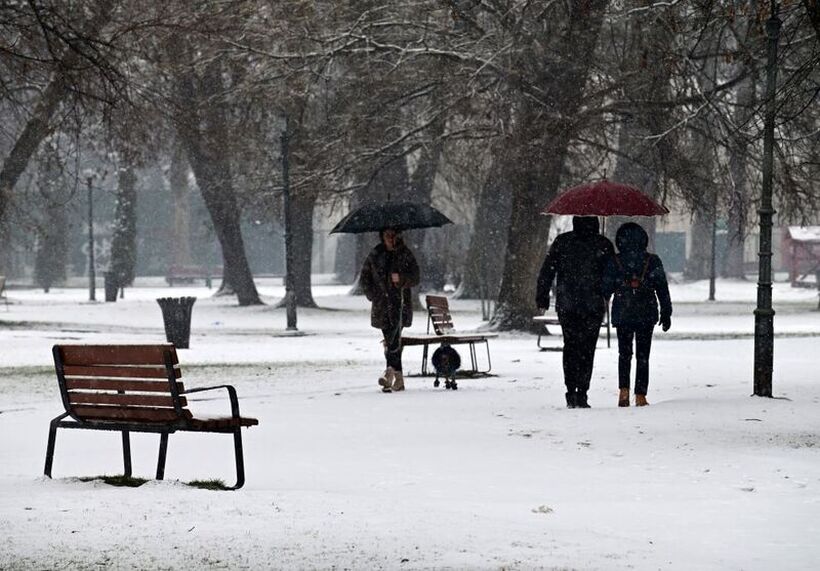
542 321
134 388
438 315
187 274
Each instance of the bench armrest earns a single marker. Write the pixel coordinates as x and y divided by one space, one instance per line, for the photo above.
231 395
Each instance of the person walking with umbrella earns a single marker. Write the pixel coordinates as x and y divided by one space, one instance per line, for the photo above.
388 273
638 280
583 260
577 260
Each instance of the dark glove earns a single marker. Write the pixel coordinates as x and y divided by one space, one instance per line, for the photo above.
665 322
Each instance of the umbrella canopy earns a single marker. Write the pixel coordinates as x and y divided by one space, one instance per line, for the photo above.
396 215
604 198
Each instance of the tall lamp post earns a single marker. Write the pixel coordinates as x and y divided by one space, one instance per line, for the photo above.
290 299
92 278
764 314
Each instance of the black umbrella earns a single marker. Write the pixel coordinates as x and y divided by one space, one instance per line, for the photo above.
396 215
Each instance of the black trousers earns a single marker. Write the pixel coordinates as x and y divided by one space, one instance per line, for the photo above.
642 334
580 333
392 347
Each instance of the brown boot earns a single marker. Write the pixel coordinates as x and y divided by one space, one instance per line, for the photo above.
623 397
640 400
386 380
398 382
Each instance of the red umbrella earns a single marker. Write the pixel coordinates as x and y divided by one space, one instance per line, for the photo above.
604 198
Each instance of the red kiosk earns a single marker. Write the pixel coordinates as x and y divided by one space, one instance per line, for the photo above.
801 254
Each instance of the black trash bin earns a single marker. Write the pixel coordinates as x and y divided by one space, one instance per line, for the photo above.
176 313
111 286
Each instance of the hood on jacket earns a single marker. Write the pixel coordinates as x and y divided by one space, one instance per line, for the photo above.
585 225
631 238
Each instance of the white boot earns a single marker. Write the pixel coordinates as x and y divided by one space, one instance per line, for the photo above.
386 380
398 383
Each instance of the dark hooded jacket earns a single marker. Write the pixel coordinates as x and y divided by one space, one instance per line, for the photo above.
637 279
577 259
388 300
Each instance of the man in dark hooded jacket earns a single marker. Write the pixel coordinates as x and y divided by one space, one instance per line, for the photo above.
577 259
638 281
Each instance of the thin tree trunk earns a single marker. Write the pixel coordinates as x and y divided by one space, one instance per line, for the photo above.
539 162
124 242
180 190
700 252
485 256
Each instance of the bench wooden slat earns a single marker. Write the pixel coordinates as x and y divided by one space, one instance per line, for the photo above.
116 354
222 422
124 400
120 385
126 414
133 372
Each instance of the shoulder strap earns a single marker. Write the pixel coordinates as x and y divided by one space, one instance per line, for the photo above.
645 267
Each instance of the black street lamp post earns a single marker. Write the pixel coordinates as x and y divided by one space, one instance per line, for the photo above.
92 278
764 314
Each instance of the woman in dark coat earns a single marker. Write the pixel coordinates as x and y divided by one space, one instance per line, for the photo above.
387 275
638 281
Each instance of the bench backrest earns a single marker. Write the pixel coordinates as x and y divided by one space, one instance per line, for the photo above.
121 383
438 311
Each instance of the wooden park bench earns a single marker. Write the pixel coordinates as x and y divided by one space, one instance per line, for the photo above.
542 321
134 388
438 315
187 274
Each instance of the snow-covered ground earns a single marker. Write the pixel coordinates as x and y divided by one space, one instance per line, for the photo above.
496 475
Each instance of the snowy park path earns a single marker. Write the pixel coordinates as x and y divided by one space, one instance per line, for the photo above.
495 475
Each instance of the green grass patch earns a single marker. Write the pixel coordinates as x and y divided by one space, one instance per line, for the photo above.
208 484
119 481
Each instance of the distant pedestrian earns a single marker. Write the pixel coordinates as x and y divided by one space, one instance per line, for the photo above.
577 260
387 275
638 281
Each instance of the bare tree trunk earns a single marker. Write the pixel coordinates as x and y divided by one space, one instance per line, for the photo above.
700 253
485 256
180 190
539 161
301 212
209 159
124 241
52 243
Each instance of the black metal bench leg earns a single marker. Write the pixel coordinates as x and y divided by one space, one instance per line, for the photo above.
489 361
163 449
473 358
424 351
240 459
52 437
126 453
